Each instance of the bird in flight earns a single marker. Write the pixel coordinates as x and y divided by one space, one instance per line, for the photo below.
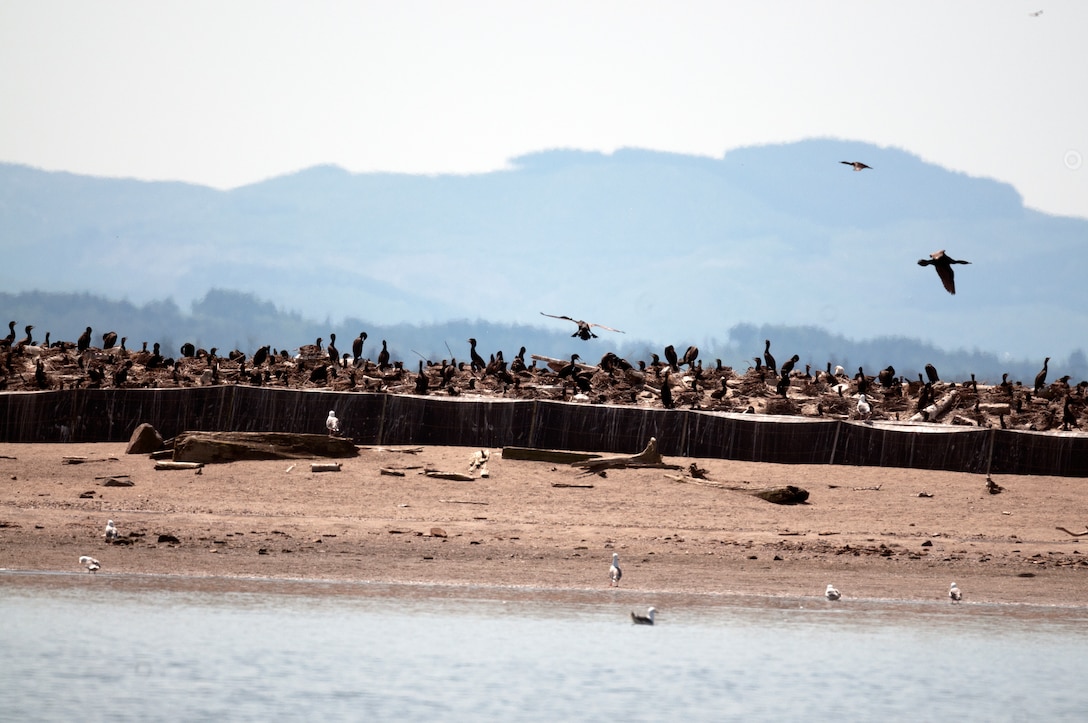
943 263
857 165
1036 14
583 332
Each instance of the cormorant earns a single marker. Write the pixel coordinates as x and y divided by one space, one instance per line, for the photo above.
931 374
943 263
478 363
1040 378
357 347
334 355
383 356
768 357
84 341
109 339
583 332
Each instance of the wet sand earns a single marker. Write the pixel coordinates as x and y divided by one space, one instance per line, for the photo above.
875 533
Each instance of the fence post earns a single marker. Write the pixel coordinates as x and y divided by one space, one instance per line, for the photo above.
835 442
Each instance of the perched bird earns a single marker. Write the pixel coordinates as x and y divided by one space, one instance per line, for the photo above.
357 347
931 374
857 165
787 366
583 332
84 341
614 572
383 356
1040 378
332 423
768 358
111 531
954 593
478 363
90 563
832 593
943 263
334 354
864 408
109 339
647 619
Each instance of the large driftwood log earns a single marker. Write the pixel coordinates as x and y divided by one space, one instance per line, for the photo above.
648 457
557 456
935 411
211 447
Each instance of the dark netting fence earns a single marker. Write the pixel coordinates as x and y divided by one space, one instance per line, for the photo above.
110 415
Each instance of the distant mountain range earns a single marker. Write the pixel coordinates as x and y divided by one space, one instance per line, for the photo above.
669 248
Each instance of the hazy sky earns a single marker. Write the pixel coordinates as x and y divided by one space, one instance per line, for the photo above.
228 93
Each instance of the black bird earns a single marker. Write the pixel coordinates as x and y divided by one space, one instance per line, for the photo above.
570 369
478 363
666 392
188 350
787 366
690 356
28 340
943 263
768 357
583 332
422 383
109 339
931 374
857 165
1040 378
334 355
670 356
357 347
383 356
84 341
10 338
260 356
886 377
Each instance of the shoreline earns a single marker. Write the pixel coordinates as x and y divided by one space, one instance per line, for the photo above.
549 528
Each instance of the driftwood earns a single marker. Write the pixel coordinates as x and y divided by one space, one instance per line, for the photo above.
935 411
781 495
391 472
210 447
325 467
168 465
567 484
464 502
86 460
456 476
529 454
648 457
1074 534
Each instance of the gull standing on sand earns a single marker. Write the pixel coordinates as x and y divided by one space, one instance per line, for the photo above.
614 572
647 619
332 423
832 593
90 563
954 593
111 531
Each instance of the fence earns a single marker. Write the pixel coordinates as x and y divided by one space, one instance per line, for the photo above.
110 415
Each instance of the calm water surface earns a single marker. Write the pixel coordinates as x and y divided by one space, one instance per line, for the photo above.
85 647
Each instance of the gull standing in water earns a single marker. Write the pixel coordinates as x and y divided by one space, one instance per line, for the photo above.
614 572
90 563
332 423
832 593
647 619
111 531
954 593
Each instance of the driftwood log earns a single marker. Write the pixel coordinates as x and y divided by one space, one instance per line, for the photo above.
648 457
211 447
556 456
779 495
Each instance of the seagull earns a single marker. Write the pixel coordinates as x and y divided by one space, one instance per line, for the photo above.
614 572
90 563
954 593
332 423
1035 14
857 165
832 593
583 327
943 263
647 619
863 406
111 532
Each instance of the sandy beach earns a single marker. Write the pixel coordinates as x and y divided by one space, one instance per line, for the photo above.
873 532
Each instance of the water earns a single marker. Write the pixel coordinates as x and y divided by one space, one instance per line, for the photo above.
85 647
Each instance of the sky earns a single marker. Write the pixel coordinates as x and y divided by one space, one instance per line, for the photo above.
228 94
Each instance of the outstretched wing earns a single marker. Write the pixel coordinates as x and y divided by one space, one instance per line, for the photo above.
559 317
608 328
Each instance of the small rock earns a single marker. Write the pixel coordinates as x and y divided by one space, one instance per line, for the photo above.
438 532
169 538
927 543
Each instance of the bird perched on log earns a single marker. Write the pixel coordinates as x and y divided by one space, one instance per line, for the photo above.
943 263
109 339
647 619
690 356
422 383
1040 378
886 377
864 409
584 331
357 347
856 165
383 356
84 341
478 363
787 366
331 350
768 358
931 374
